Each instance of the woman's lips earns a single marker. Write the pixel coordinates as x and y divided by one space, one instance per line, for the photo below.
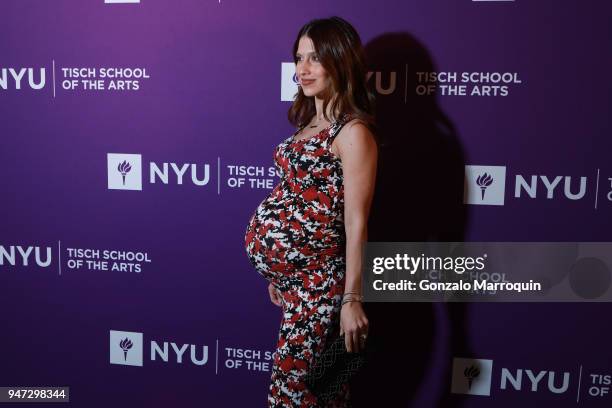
307 82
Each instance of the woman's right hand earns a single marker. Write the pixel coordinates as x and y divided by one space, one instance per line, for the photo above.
275 297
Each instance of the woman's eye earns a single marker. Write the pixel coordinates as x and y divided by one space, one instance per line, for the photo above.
315 58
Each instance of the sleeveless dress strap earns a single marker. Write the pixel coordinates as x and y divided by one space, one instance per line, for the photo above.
337 127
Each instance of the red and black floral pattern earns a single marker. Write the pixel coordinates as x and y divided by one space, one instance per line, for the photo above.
296 241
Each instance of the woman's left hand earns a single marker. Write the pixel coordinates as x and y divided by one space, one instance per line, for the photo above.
354 324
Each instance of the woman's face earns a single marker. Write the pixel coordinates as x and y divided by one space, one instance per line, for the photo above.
311 75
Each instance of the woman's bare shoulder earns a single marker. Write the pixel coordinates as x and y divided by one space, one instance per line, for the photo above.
355 136
355 131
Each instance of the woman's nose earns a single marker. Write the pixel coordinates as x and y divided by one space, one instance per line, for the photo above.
303 69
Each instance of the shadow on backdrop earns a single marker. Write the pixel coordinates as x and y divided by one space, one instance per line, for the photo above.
418 197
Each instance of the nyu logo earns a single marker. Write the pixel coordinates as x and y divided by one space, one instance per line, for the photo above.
125 172
531 188
126 348
289 82
14 80
485 185
378 86
516 380
9 255
471 376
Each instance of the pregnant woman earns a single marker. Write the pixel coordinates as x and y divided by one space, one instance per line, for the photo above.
306 237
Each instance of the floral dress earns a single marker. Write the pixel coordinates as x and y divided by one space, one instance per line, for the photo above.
296 241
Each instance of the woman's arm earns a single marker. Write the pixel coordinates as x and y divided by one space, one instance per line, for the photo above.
358 151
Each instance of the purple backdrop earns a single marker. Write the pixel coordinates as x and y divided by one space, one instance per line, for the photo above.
209 94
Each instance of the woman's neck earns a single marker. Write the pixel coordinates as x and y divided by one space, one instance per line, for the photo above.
319 110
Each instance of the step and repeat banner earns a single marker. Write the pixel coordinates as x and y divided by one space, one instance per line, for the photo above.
136 142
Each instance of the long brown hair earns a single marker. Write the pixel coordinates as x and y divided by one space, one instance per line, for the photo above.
341 54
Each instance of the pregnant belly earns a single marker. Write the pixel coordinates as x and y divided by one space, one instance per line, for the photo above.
287 234
274 238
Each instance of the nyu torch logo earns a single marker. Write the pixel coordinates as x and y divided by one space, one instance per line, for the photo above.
470 373
126 348
124 168
124 171
485 185
484 181
471 376
125 344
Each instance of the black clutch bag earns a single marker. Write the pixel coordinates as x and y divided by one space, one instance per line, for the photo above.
334 367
